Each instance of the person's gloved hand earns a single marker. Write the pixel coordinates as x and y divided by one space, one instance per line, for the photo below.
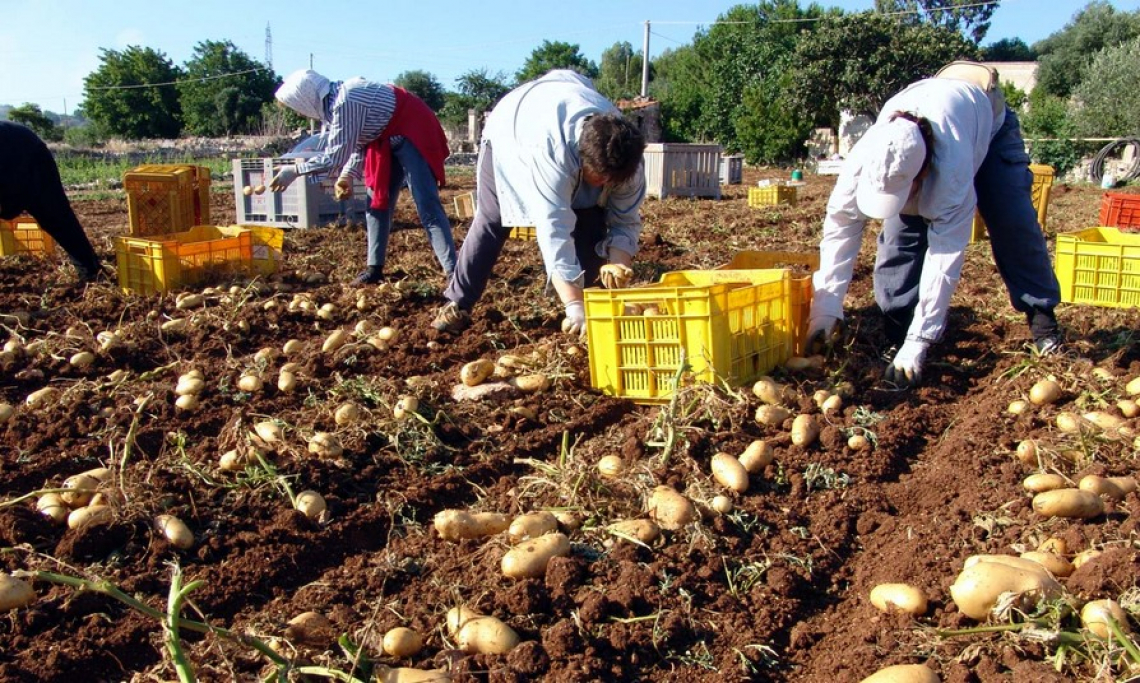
575 320
285 177
615 276
342 190
905 369
822 332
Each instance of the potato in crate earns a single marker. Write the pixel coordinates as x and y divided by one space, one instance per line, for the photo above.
22 235
168 262
706 326
167 198
1099 266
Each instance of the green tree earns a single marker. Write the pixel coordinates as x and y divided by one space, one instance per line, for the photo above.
477 89
856 62
555 55
1009 50
679 86
223 90
1065 55
968 17
424 86
1048 117
1107 106
619 73
130 94
33 117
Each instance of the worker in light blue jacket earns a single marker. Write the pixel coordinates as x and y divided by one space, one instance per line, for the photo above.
558 156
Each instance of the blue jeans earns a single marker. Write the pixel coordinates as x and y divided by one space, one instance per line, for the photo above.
1004 187
407 162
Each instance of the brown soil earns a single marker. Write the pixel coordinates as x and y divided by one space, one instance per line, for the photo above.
775 591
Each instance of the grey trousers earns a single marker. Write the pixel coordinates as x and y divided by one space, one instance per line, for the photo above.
487 235
1004 186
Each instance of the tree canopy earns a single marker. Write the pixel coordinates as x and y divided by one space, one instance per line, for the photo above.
555 55
424 86
223 90
33 117
1008 50
1065 55
968 17
131 94
619 73
1107 105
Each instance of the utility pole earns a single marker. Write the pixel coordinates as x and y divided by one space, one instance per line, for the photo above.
645 63
268 46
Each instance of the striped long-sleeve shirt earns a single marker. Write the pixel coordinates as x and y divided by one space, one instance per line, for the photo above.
357 112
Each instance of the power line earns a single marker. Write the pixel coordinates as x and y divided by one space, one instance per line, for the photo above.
184 80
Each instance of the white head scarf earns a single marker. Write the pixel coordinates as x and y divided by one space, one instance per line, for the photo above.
304 92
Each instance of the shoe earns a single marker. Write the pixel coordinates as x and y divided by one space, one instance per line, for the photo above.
1047 345
1046 332
888 354
451 318
89 274
373 276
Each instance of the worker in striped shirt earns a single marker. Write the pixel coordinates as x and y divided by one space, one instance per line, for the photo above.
385 134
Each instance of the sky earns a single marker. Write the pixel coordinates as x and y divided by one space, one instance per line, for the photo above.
47 47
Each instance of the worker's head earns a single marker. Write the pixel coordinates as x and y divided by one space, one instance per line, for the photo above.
304 92
610 148
896 154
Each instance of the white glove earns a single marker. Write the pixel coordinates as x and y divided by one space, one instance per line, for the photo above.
285 177
822 332
906 368
342 190
615 276
575 320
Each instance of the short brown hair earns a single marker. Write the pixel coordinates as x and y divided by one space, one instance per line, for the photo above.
925 130
611 146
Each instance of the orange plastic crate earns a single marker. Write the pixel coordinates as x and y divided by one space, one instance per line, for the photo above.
167 198
168 262
22 235
1120 210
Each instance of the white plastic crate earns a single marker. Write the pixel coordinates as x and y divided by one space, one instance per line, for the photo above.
301 205
682 170
732 169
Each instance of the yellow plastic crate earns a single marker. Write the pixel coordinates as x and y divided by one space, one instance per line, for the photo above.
524 233
705 326
465 205
22 235
1042 186
771 195
267 250
1099 266
154 265
802 265
167 198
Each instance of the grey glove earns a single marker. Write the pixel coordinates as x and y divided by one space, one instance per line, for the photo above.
905 369
575 320
285 177
822 332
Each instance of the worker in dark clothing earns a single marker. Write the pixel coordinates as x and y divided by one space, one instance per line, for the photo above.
29 182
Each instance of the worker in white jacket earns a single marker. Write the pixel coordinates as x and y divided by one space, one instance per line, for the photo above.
940 149
556 155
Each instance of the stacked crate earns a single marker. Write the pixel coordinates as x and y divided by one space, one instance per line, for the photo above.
1120 210
682 170
167 198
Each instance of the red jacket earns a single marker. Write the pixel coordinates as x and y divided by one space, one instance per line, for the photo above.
418 123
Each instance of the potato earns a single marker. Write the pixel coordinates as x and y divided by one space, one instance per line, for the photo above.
757 456
532 383
175 531
1104 421
486 636
800 363
1125 484
769 391
670 509
402 642
247 190
41 397
643 530
1038 483
858 442
1085 556
82 359
325 445
311 504
1101 486
334 341
729 472
476 372
250 383
1072 503
532 525
286 382
528 560
189 386
1133 386
455 525
1128 408
611 466
189 301
805 430
568 520
88 516
900 596
175 326
6 412
80 488
1071 423
721 505
820 396
14 593
980 586
232 461
1057 565
903 673
52 506
405 406
388 334
346 414
311 628
1055 545
772 416
1096 615
833 404
327 312
269 432
1017 407
1044 392
403 674
188 403
458 616
1027 452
